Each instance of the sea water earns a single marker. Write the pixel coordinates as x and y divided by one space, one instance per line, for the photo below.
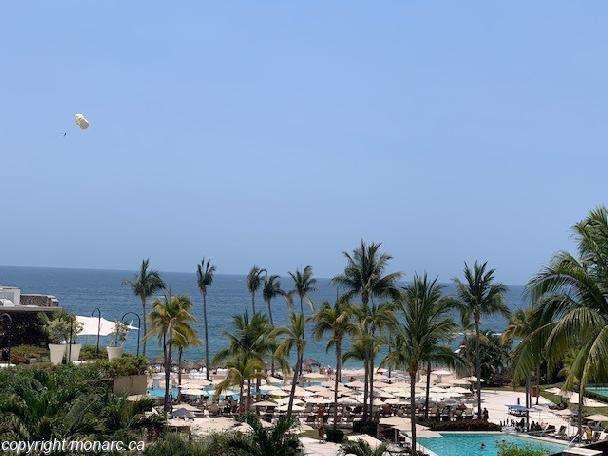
82 290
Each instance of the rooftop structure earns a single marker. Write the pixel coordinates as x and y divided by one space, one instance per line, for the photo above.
12 300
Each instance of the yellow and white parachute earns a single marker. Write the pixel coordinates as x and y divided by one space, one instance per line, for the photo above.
81 121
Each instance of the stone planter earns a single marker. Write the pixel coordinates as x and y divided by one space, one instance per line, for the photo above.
130 385
115 352
73 351
57 352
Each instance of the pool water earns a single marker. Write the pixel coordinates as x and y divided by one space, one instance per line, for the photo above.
469 444
160 392
599 390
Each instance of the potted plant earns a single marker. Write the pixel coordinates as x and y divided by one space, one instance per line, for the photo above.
118 337
58 331
73 350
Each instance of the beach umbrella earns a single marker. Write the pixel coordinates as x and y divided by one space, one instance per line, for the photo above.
294 408
270 388
194 384
597 417
285 400
383 395
355 384
381 378
317 400
264 404
348 401
81 121
194 392
380 384
274 380
278 393
314 376
316 388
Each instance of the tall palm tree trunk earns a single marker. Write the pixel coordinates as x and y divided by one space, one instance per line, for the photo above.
268 303
207 364
241 396
537 383
143 307
581 392
248 403
180 352
336 380
294 381
303 334
478 366
371 386
365 384
528 402
428 387
167 374
253 303
413 408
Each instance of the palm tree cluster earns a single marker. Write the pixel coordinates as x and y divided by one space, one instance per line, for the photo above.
569 312
411 325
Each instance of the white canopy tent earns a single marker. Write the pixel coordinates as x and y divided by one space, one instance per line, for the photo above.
90 326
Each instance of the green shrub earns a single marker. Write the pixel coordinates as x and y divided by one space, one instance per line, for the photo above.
21 354
507 449
88 353
461 425
335 436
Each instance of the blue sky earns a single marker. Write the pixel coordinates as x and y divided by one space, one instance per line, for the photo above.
282 133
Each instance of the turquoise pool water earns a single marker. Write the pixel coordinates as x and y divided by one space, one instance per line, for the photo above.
469 444
160 392
599 390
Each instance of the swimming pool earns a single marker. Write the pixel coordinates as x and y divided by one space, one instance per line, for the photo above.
599 390
469 444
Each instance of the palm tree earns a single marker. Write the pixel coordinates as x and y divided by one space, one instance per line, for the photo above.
292 336
251 338
364 276
479 296
424 320
241 368
275 441
375 318
170 321
337 321
571 309
254 281
145 284
182 341
304 284
272 289
204 279
520 325
362 448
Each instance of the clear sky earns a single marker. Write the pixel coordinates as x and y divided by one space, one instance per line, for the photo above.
282 133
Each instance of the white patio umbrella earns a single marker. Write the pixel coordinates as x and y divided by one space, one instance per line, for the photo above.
315 376
355 384
264 404
294 408
194 392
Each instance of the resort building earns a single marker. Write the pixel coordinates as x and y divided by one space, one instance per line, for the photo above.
12 300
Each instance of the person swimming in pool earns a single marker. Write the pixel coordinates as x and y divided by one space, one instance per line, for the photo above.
482 446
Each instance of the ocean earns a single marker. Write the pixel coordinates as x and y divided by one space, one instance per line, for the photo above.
82 290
